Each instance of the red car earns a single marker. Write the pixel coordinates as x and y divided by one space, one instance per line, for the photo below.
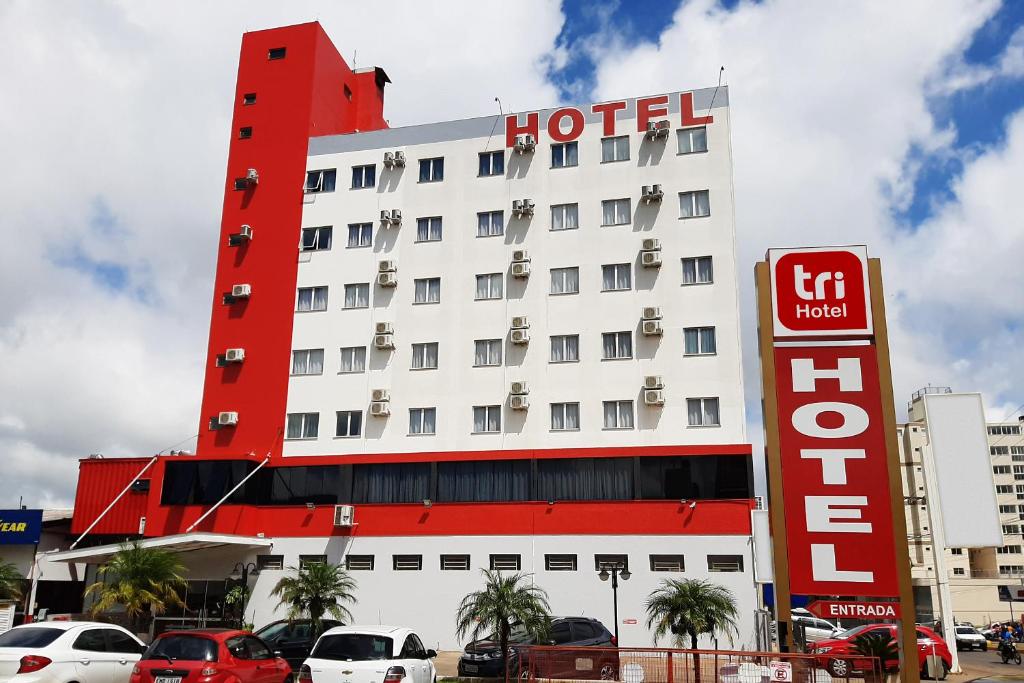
928 642
210 656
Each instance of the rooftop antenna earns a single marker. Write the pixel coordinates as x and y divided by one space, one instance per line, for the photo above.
501 113
721 71
355 52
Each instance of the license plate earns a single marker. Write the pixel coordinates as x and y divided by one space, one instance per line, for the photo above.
470 668
167 679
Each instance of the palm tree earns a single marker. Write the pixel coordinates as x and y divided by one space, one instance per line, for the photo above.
504 601
691 607
10 581
145 581
881 646
317 589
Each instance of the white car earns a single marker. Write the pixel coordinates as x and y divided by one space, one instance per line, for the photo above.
368 654
968 638
815 629
68 652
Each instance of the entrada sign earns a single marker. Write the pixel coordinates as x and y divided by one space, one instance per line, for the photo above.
837 609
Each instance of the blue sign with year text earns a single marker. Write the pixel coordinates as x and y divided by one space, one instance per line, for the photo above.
20 527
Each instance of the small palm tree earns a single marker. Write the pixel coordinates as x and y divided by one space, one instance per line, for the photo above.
11 581
317 589
504 601
879 645
691 607
145 581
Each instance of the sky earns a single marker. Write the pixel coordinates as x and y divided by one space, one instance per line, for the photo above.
898 125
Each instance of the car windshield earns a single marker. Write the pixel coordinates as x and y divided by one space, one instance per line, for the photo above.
850 633
30 636
182 647
353 647
273 631
966 630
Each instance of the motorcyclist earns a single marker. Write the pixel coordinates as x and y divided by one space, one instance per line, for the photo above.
1006 641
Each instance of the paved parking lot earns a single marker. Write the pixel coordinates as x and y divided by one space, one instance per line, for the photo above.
981 664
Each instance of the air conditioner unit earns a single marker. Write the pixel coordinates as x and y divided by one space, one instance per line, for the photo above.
652 327
651 244
518 402
384 328
384 341
652 313
234 355
657 129
380 409
520 336
344 515
385 216
227 419
241 291
245 232
652 193
654 382
520 255
525 143
400 159
396 217
517 207
380 395
650 259
387 266
252 176
654 397
387 279
520 322
520 388
389 159
523 207
521 269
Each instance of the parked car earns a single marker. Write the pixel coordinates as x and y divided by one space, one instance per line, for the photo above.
369 654
839 665
210 655
483 657
968 638
293 640
815 629
59 651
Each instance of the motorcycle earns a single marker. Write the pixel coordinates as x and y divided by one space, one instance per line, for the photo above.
1008 651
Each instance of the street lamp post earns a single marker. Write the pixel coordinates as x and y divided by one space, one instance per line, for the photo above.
241 572
615 571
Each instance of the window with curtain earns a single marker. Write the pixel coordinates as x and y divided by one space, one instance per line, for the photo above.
360 235
316 239
422 420
565 154
406 482
303 425
618 414
565 217
486 419
364 176
308 362
702 412
615 149
699 341
565 417
350 423
695 477
615 212
428 229
353 359
615 277
492 163
357 295
565 280
490 223
427 290
585 479
693 140
432 170
565 348
694 204
697 270
312 299
206 482
488 286
479 481
487 352
617 345
424 356
301 485
321 180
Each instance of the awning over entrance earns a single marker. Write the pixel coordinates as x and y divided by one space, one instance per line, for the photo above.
181 543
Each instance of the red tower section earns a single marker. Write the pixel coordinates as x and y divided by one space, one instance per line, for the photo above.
292 85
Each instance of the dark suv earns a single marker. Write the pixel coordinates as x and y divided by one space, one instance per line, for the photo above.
293 640
484 658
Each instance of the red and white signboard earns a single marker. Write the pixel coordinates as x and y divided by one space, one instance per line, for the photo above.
780 671
820 292
869 611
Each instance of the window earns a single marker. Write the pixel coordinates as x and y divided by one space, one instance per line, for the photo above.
306 560
350 423
412 648
505 563
1008 550
1008 509
427 290
616 277
999 450
321 181
1016 450
91 641
308 362
611 562
692 140
364 176
428 229
1001 469
1004 430
492 163
615 212
694 204
667 563
486 419
565 217
456 563
353 359
1007 529
432 170
312 299
357 295
407 563
956 551
487 352
123 643
488 286
565 154
1011 569
265 562
359 563
560 563
422 420
1004 488
699 341
490 223
615 149
360 235
249 98
303 425
565 348
618 414
277 53
424 356
725 563
316 239
245 133
565 417
959 571
702 412
565 280
697 271
484 481
617 345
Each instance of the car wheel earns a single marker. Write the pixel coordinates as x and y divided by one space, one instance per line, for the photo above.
608 673
840 668
984 647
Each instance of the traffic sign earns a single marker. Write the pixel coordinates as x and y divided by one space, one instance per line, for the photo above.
839 609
